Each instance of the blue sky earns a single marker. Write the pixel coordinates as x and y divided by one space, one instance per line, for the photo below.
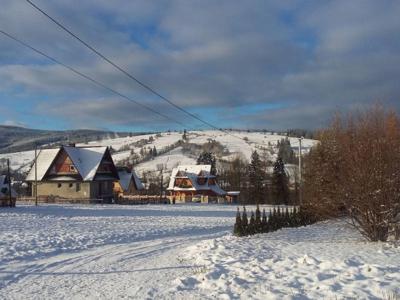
240 64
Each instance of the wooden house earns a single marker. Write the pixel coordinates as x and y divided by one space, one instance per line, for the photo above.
128 183
5 192
69 172
194 183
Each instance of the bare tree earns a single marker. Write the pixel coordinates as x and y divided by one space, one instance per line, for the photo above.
356 169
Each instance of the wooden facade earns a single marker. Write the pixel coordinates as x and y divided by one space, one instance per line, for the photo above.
75 173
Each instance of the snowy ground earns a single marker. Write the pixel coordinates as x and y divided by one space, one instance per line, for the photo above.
183 252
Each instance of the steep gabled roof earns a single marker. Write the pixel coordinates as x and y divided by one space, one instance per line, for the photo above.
192 173
85 159
44 159
125 178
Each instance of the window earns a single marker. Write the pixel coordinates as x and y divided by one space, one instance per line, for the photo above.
59 185
72 168
78 187
71 185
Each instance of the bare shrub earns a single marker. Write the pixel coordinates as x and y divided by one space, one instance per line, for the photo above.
356 169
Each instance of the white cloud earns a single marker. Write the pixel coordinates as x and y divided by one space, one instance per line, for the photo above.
207 54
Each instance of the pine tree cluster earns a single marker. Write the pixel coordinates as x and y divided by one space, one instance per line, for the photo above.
278 218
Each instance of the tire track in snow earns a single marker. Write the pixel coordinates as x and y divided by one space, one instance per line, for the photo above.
140 269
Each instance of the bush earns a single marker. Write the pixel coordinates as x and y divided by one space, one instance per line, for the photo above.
355 170
275 221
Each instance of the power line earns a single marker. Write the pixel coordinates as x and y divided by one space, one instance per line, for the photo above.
89 78
146 86
93 80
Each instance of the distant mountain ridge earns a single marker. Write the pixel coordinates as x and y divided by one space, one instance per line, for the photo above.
15 139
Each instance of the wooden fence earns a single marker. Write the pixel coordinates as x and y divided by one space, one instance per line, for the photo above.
141 199
52 199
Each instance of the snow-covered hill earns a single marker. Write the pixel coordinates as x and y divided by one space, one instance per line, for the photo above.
236 143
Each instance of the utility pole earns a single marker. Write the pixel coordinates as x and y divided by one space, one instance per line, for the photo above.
9 182
36 194
300 174
161 186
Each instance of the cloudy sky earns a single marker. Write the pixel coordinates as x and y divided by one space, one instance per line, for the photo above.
241 64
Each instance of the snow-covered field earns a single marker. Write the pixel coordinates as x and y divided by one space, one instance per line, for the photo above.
183 252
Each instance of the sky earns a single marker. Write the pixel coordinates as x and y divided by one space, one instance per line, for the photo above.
236 64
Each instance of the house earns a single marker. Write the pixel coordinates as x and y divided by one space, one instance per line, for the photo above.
5 192
194 183
128 183
74 173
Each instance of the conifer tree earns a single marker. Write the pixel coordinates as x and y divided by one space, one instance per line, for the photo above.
256 178
280 183
272 224
252 224
264 222
245 222
207 158
287 217
258 227
278 218
238 228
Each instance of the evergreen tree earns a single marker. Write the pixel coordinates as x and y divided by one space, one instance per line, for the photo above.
207 158
272 224
258 225
279 224
238 228
264 222
287 217
154 153
294 218
286 152
256 177
245 222
252 224
280 183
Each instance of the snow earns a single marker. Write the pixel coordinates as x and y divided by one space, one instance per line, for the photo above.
86 160
20 160
183 252
125 178
237 142
191 172
323 261
168 161
44 159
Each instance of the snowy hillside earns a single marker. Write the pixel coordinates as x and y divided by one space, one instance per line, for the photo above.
236 143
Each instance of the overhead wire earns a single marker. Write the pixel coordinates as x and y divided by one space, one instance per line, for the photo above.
141 83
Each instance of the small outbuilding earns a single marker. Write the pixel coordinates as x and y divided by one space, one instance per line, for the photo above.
128 183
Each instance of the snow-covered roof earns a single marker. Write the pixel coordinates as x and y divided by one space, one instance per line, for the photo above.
125 179
192 172
4 187
44 159
86 161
